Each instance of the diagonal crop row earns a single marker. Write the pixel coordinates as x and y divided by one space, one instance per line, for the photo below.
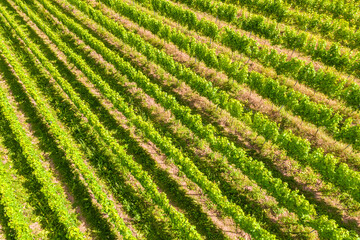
95 220
114 79
283 66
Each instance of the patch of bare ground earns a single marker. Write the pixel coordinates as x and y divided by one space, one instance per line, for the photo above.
2 234
291 169
49 164
318 138
315 96
280 49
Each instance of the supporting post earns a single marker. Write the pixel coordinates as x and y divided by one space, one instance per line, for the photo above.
347 147
281 108
316 132
292 52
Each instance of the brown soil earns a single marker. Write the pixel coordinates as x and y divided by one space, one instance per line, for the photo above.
2 234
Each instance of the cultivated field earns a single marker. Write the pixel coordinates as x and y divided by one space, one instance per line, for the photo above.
179 119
